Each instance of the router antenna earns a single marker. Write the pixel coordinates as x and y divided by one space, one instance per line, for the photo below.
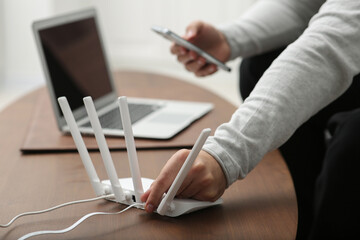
165 203
131 149
80 145
104 149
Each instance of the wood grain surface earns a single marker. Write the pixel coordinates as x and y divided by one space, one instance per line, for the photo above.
262 206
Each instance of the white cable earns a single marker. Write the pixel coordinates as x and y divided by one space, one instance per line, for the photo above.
56 207
76 223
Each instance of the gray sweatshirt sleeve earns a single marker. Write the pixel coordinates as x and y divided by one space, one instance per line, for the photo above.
313 71
269 24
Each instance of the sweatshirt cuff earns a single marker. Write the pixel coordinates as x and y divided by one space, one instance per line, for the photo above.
227 31
229 167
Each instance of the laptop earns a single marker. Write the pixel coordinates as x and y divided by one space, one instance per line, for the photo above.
75 65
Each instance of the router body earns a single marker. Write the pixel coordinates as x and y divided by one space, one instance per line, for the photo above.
177 207
129 190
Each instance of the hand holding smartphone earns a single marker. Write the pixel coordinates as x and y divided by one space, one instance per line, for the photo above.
166 33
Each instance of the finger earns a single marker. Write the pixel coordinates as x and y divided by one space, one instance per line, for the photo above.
206 70
194 179
189 191
187 181
201 179
196 65
187 58
145 196
201 190
210 196
178 50
164 180
188 178
193 29
158 188
211 193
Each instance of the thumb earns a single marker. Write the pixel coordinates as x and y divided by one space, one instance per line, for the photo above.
193 29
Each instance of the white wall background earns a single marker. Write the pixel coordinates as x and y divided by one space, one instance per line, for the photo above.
19 66
2 44
126 30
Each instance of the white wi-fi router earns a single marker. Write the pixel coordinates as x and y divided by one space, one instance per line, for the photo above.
129 190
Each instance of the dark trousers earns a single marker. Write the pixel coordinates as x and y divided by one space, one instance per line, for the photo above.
325 172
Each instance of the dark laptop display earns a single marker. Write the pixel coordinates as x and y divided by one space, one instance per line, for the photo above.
75 61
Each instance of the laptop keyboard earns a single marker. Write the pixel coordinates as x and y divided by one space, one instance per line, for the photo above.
112 118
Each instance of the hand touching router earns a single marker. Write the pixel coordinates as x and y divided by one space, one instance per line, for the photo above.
205 180
127 190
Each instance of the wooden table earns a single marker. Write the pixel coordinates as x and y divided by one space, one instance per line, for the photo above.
263 206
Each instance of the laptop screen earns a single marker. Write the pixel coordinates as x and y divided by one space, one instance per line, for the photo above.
76 61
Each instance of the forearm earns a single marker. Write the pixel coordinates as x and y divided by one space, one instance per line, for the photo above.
313 71
269 24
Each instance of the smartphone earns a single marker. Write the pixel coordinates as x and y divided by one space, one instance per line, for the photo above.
166 33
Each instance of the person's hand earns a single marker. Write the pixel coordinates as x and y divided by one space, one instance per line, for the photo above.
205 180
209 39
